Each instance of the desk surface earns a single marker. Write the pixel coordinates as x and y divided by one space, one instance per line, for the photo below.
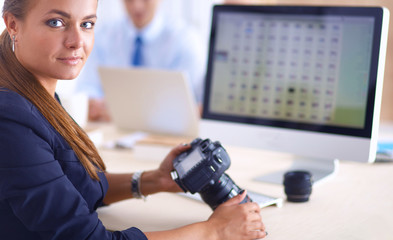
356 204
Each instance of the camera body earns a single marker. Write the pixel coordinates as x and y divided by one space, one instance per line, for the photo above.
200 166
201 170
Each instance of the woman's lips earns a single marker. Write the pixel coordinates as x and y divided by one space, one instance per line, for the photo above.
71 60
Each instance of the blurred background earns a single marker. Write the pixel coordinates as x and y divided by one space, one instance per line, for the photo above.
197 14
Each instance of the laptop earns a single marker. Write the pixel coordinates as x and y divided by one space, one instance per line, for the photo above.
153 101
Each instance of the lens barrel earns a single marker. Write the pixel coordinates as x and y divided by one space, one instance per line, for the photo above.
298 186
223 190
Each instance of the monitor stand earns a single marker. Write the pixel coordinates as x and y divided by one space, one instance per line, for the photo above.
321 170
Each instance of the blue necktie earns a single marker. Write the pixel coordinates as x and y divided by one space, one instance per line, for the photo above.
137 56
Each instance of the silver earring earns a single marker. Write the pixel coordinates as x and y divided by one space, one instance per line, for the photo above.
13 43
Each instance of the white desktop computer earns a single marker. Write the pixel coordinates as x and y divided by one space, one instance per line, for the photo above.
296 79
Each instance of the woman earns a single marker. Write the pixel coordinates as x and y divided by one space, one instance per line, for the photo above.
52 179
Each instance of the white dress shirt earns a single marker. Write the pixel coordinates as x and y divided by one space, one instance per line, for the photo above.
172 46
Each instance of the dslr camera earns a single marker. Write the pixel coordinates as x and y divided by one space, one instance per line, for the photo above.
201 170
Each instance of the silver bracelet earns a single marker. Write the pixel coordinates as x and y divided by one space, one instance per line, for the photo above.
136 185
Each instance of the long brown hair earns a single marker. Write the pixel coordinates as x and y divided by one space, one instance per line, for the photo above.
15 77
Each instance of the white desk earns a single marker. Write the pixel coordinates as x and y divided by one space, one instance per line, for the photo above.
355 204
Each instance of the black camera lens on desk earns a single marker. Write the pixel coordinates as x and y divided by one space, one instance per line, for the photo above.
298 186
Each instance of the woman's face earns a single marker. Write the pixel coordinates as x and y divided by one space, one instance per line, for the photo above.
55 38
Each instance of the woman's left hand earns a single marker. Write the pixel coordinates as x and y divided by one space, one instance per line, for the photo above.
160 180
166 167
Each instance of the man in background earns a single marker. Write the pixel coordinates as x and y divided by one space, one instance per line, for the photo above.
146 38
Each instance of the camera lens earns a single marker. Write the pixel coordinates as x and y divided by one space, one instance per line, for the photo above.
298 185
223 190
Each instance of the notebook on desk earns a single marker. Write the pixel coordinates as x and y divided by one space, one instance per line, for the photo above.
153 101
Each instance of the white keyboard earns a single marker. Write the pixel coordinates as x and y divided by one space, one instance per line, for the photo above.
264 200
261 199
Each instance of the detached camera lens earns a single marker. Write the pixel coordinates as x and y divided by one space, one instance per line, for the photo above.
298 186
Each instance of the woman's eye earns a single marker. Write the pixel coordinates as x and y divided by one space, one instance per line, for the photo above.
88 25
55 23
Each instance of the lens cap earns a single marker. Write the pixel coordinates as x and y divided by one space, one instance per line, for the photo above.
298 185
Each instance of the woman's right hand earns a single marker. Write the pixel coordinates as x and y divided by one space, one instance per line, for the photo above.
232 220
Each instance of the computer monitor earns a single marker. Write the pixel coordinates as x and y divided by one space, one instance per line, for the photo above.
297 79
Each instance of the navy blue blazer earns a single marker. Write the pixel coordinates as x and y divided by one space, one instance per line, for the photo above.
45 193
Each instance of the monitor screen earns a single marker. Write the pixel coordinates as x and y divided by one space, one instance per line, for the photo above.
308 69
299 68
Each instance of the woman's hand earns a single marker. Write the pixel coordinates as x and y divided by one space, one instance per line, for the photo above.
160 180
238 221
230 221
167 166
